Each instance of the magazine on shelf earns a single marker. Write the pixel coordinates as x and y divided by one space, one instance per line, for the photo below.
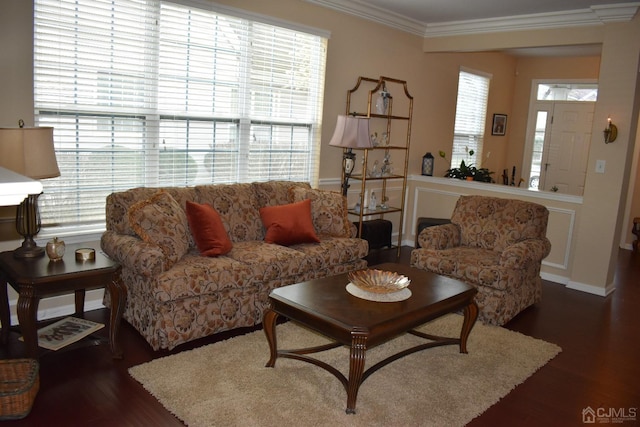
64 332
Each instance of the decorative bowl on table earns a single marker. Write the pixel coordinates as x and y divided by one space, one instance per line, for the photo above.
378 281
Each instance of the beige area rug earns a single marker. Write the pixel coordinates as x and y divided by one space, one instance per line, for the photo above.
227 384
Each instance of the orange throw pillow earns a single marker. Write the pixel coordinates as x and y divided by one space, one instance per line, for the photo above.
207 229
289 224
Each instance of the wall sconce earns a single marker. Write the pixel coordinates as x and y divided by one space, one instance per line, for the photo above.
610 132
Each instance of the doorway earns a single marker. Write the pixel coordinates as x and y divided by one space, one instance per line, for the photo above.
559 135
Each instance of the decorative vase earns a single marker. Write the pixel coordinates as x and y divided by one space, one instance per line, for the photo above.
55 249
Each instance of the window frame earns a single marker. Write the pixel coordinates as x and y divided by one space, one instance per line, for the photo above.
468 146
243 126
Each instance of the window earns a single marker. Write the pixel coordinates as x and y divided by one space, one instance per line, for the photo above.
578 92
154 93
471 112
538 149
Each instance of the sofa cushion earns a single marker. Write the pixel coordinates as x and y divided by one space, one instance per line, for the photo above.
161 221
196 276
236 204
289 224
268 261
333 251
271 193
207 229
328 211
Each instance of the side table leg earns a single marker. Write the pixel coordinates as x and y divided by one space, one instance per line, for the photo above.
27 317
356 368
79 300
269 325
5 315
470 317
118 294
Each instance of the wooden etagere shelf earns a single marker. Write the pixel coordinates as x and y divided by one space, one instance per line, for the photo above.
392 122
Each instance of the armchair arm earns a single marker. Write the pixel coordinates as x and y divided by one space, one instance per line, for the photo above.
526 252
143 258
440 237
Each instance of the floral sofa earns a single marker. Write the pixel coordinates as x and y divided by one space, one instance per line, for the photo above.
199 260
494 244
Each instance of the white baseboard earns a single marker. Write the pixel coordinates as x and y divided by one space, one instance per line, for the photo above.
63 305
590 289
555 278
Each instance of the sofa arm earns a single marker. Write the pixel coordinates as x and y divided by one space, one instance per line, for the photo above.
526 252
133 253
353 230
440 237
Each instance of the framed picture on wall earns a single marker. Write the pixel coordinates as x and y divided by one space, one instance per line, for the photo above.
499 126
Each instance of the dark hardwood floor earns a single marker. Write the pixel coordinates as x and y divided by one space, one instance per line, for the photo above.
598 368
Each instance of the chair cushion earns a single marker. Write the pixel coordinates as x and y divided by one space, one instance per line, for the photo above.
471 265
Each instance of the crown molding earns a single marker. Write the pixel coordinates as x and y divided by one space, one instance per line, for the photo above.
595 15
373 13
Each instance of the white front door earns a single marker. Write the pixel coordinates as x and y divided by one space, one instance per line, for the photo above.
564 161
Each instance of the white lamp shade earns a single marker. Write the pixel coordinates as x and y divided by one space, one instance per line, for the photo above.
29 152
351 132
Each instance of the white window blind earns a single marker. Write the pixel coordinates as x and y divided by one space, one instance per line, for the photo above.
154 93
471 113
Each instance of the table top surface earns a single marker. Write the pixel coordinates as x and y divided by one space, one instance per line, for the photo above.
325 305
41 268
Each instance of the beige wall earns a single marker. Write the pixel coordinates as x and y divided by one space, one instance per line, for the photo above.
359 47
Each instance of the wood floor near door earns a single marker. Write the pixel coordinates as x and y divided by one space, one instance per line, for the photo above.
598 366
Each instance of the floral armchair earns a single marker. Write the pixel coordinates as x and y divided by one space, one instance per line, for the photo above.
494 244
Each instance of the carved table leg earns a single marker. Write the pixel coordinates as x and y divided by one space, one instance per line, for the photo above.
118 294
356 368
27 317
5 315
269 325
470 317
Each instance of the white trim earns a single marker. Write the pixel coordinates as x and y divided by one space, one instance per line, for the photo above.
595 15
373 13
555 278
590 289
62 305
504 189
567 252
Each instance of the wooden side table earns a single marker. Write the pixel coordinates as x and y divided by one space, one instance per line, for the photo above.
34 279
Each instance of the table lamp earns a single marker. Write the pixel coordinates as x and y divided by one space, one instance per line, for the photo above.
351 132
28 152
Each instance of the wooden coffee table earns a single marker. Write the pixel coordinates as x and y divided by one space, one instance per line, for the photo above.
325 306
